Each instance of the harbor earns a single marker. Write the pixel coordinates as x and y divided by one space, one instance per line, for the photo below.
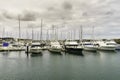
59 40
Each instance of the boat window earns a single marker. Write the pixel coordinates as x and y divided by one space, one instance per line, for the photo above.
87 44
15 45
35 46
111 44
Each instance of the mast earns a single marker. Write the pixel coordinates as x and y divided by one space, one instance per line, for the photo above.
3 33
41 29
93 32
70 35
32 33
80 34
47 37
53 35
19 27
74 34
61 36
93 38
56 35
27 36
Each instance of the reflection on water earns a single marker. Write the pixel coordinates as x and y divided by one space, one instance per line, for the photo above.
36 55
5 53
90 52
108 52
101 65
74 53
56 53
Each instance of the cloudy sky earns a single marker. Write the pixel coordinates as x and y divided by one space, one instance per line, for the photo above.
66 15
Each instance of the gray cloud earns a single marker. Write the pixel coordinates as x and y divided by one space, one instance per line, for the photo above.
29 16
58 13
5 15
24 16
67 6
8 15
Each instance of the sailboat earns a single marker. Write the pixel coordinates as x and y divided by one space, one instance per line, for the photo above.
55 46
73 46
18 45
91 44
35 47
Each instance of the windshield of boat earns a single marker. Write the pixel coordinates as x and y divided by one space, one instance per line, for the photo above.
35 46
111 44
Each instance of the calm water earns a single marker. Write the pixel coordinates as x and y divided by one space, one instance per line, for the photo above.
89 66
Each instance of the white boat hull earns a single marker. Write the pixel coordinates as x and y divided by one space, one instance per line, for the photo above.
107 48
12 49
35 50
55 50
90 48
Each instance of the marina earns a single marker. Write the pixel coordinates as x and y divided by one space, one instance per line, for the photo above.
59 40
36 46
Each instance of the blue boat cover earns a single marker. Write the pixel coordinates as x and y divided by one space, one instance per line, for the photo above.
5 44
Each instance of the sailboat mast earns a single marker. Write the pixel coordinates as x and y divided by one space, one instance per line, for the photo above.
74 34
32 33
47 37
3 33
41 29
80 34
56 35
93 32
61 36
53 36
19 27
71 35
27 35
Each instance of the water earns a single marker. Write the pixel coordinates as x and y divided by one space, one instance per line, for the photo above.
89 66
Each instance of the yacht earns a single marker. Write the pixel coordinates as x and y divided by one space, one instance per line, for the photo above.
5 46
108 45
89 46
17 46
35 47
55 47
73 47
